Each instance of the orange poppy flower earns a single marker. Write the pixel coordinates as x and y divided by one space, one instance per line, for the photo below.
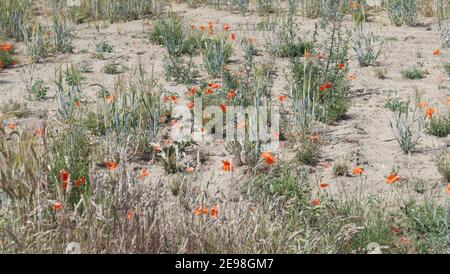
307 55
57 206
324 185
130 215
223 108
392 178
64 185
192 91
173 98
231 94
109 98
80 182
430 112
156 147
226 27
232 36
354 5
192 27
314 138
6 47
326 86
201 210
209 91
144 173
214 211
190 105
39 132
422 104
352 77
341 66
226 165
282 98
189 169
202 27
447 189
315 202
214 85
358 170
268 158
111 165
210 28
11 126
448 100
437 52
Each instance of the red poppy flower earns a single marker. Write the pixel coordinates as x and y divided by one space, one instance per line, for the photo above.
111 165
214 86
223 108
192 91
392 178
214 211
358 170
315 202
80 182
226 165
326 86
144 173
430 112
6 47
64 175
231 94
268 158
201 210
57 206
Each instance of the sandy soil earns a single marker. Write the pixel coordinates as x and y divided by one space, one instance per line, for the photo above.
364 138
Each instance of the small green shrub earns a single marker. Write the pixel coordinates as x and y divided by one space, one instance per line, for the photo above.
414 73
439 126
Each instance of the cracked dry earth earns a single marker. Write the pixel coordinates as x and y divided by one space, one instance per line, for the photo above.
364 138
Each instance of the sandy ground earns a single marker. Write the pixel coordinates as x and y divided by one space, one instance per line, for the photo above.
364 138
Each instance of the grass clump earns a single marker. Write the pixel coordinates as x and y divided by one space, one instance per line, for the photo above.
403 12
439 126
414 73
366 49
442 162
